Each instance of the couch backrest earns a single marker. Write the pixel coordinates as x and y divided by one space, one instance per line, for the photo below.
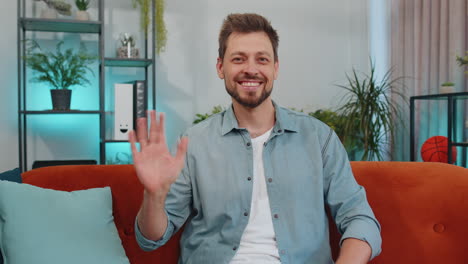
422 207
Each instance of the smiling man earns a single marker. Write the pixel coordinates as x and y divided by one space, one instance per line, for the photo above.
253 184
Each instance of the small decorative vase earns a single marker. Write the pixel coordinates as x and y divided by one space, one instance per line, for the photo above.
49 13
128 52
82 15
61 99
127 48
446 89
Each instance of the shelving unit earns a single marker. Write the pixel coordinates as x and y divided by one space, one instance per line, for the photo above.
115 62
26 24
452 99
60 25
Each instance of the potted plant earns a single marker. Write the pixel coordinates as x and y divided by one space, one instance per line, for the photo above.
161 33
60 69
369 114
54 6
447 87
82 13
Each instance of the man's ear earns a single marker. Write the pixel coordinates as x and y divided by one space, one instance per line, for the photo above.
219 68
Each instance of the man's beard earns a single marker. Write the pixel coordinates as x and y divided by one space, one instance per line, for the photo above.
248 102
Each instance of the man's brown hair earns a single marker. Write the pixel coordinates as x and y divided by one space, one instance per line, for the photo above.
246 23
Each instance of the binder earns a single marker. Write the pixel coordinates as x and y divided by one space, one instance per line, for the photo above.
123 114
130 103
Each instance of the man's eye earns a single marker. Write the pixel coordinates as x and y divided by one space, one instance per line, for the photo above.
263 59
237 59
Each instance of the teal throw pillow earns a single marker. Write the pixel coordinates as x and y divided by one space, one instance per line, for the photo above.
45 226
13 175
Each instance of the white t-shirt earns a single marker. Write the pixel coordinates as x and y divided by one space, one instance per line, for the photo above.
258 243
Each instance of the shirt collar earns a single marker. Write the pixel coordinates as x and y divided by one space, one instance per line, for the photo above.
284 123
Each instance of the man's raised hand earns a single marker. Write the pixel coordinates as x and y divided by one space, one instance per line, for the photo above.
155 166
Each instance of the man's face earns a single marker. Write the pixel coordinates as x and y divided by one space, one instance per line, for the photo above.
248 68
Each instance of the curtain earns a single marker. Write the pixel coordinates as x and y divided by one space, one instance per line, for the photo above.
426 36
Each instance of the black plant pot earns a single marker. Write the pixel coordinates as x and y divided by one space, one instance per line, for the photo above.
61 99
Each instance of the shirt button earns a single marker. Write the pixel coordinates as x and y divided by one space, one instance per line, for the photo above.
246 214
276 216
270 179
249 178
248 144
234 248
279 131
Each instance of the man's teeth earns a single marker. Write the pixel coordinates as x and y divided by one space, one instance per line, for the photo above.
250 84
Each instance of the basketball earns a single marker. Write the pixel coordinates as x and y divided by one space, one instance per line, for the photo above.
434 149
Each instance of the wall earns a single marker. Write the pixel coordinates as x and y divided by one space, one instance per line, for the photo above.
8 88
320 40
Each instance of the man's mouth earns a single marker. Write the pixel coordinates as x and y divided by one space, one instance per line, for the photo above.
250 86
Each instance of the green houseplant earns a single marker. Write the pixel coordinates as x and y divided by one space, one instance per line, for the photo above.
60 69
369 113
334 120
201 117
82 5
337 122
82 13
145 19
462 60
447 84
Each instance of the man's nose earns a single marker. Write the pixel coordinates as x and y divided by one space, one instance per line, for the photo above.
251 67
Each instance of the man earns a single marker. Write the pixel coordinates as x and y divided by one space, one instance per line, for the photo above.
255 180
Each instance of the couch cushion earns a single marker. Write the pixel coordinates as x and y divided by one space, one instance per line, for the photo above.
46 226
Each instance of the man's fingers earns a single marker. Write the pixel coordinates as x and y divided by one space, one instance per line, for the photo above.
161 128
132 140
181 151
142 130
153 136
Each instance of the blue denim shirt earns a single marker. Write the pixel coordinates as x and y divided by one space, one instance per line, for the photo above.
306 169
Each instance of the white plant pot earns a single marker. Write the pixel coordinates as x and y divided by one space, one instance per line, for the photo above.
82 15
446 89
49 13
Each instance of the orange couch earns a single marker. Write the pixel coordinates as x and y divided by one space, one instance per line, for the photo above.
422 207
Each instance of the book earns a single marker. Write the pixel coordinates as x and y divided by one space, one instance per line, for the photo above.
140 100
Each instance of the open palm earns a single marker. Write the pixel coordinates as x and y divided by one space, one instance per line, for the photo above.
155 166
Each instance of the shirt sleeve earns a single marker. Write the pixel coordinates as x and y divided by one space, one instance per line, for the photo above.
149 245
178 207
346 198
